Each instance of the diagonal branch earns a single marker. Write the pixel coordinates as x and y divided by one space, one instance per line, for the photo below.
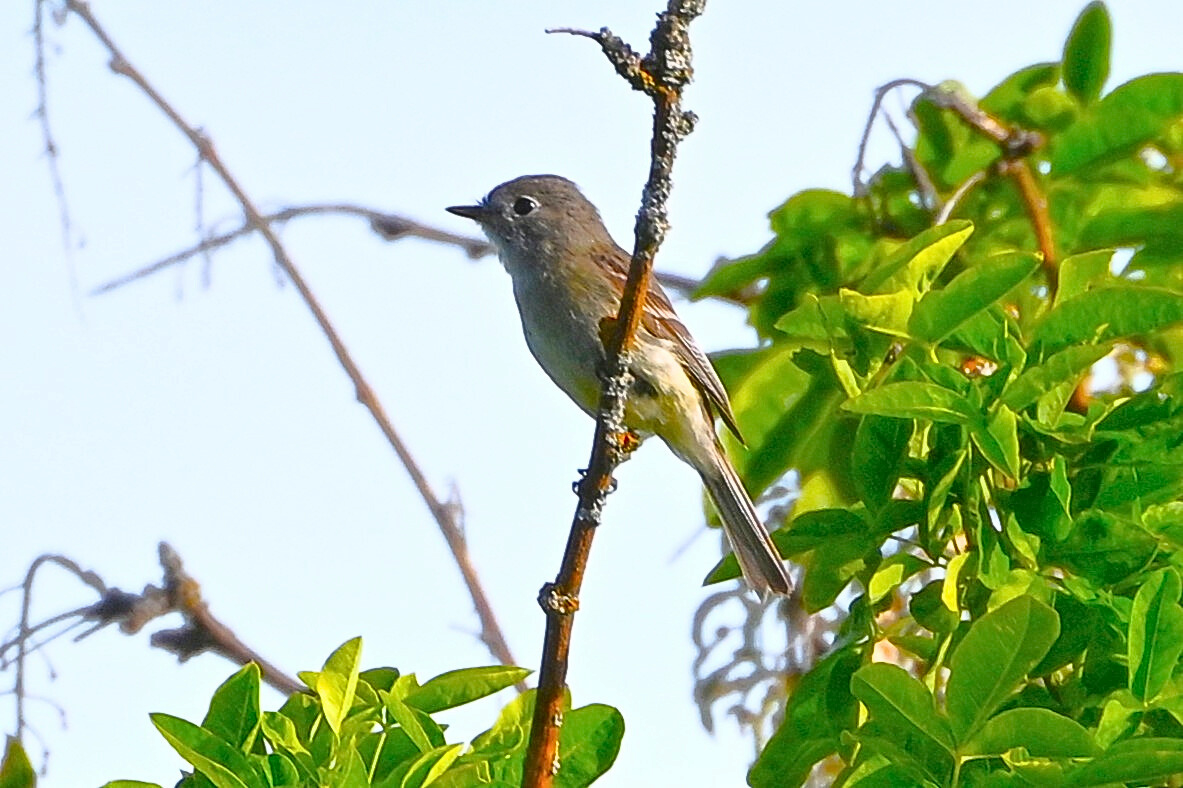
491 633
662 75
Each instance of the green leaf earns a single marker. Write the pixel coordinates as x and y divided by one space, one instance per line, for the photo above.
993 658
1134 114
457 687
112 784
1086 53
234 712
877 457
915 400
999 441
17 772
1156 634
949 587
929 609
1042 732
337 682
818 710
421 728
895 569
915 265
349 771
511 731
589 742
1082 272
1104 314
1067 366
1132 761
222 764
1103 548
904 708
886 313
941 312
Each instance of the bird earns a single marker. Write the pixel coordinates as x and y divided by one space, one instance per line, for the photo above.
568 277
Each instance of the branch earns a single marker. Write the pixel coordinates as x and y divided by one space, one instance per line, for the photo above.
490 630
662 75
389 226
181 593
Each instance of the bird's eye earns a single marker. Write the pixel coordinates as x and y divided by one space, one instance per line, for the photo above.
524 205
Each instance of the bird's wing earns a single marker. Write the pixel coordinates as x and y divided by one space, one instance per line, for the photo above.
662 321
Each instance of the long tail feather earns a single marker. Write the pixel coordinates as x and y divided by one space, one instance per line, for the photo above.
762 566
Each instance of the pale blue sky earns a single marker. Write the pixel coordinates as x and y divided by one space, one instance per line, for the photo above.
217 419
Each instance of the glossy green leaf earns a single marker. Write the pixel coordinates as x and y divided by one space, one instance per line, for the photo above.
1084 271
1097 316
589 742
221 763
1103 547
1134 761
1064 367
818 710
885 313
894 570
234 711
511 731
904 707
998 441
1156 634
457 687
17 772
915 400
1041 732
1086 53
994 658
337 682
349 771
915 265
1132 115
877 457
941 312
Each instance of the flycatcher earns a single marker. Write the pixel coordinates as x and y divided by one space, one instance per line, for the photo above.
568 277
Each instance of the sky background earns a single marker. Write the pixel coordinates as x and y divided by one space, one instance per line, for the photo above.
203 407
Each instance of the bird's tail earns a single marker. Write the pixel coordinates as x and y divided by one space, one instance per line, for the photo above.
762 566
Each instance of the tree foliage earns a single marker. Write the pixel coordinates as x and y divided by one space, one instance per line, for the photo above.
375 728
1004 519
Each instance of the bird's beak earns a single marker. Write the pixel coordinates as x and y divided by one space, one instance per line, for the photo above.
475 212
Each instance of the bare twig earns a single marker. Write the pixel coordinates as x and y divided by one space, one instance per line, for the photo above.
856 175
490 630
202 630
181 593
662 74
42 113
390 226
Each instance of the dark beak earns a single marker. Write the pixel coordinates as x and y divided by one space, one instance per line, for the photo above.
475 212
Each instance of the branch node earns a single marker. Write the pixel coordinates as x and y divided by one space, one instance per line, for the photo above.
554 601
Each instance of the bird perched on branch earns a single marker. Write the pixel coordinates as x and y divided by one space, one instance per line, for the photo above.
568 278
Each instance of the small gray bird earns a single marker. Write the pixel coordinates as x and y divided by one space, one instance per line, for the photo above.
568 277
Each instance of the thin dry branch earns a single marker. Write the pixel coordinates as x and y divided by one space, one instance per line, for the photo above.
391 227
180 593
662 75
491 633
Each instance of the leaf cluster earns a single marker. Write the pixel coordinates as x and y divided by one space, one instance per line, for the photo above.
1004 520
376 729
